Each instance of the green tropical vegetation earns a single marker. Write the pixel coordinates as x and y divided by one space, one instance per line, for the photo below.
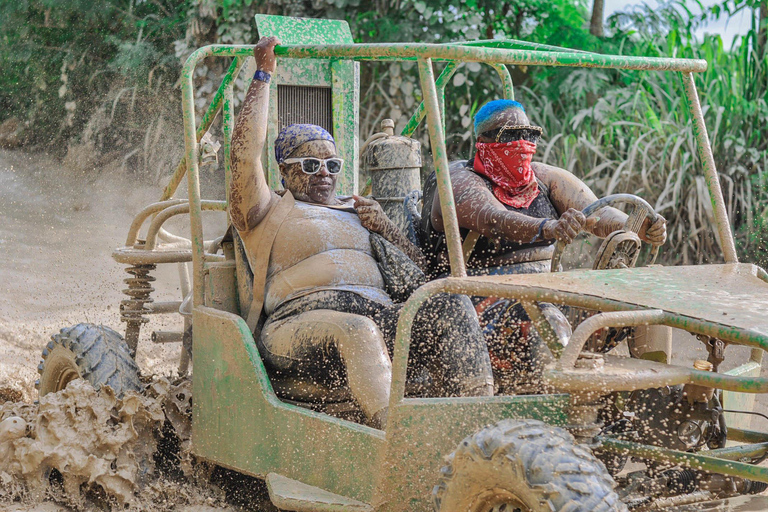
99 82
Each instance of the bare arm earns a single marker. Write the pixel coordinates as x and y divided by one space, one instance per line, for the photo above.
567 191
478 210
373 218
249 194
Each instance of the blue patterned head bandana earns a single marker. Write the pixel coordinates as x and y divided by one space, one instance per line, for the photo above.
490 116
293 136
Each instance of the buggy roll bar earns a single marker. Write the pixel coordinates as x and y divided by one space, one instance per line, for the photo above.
504 52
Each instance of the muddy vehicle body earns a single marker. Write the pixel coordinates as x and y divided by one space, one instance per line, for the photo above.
539 451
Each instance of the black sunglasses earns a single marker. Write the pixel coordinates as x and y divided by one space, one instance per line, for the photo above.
513 133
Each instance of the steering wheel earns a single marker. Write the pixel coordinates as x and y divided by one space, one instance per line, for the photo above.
641 210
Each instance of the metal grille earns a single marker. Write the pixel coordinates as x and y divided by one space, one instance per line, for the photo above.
299 104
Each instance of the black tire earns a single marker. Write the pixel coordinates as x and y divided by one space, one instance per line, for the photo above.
524 465
91 352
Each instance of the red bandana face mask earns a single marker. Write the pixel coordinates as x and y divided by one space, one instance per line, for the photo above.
508 166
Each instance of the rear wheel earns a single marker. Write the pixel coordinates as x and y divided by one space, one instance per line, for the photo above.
95 353
524 466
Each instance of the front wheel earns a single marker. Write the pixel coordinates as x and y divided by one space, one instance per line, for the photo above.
524 466
95 353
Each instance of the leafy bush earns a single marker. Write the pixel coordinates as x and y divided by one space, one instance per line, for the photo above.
101 74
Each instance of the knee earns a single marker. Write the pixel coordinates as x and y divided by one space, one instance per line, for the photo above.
451 306
357 326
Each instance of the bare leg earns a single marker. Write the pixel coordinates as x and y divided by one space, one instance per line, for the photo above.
312 342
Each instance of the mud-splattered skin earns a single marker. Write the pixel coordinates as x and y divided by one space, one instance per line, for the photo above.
479 210
317 188
249 195
320 250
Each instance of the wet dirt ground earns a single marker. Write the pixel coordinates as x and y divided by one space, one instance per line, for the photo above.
59 227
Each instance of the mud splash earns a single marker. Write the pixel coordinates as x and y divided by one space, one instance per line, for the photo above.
96 444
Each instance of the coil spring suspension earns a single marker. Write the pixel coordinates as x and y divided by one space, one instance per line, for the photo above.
132 310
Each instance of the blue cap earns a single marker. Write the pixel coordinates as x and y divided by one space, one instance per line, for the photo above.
489 112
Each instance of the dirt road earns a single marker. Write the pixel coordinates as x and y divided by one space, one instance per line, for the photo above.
59 227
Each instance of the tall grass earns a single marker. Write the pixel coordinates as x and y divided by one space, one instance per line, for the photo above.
631 132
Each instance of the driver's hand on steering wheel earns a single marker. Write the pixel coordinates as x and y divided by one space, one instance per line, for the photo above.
567 227
656 233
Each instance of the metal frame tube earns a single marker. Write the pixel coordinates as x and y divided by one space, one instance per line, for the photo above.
710 171
440 157
611 319
421 112
691 460
534 294
172 211
407 51
138 221
506 80
205 123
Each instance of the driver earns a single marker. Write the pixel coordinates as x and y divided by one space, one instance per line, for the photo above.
329 319
511 211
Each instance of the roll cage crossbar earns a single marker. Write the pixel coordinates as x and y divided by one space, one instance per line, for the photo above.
498 54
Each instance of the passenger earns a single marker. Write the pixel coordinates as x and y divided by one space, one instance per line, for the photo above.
328 316
511 211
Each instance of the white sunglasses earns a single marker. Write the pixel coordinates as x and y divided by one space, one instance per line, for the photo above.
312 165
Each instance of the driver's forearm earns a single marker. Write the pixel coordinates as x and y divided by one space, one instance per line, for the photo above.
512 226
248 188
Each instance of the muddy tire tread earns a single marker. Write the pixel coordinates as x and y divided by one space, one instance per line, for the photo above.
101 355
564 476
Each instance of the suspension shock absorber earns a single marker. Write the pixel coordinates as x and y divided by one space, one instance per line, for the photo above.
132 310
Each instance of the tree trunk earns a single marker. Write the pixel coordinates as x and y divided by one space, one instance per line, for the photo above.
596 25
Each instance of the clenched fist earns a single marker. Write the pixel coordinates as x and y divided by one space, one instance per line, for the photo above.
264 53
656 233
567 227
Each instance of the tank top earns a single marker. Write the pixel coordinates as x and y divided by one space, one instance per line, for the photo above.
321 248
486 249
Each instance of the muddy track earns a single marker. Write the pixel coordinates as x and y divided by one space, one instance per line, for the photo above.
59 227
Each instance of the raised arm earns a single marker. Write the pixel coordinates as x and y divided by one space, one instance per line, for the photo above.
249 194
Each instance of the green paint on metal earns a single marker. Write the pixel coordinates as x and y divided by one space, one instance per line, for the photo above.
739 452
240 423
440 52
421 112
506 81
746 436
423 431
692 460
228 125
312 31
440 157
723 226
